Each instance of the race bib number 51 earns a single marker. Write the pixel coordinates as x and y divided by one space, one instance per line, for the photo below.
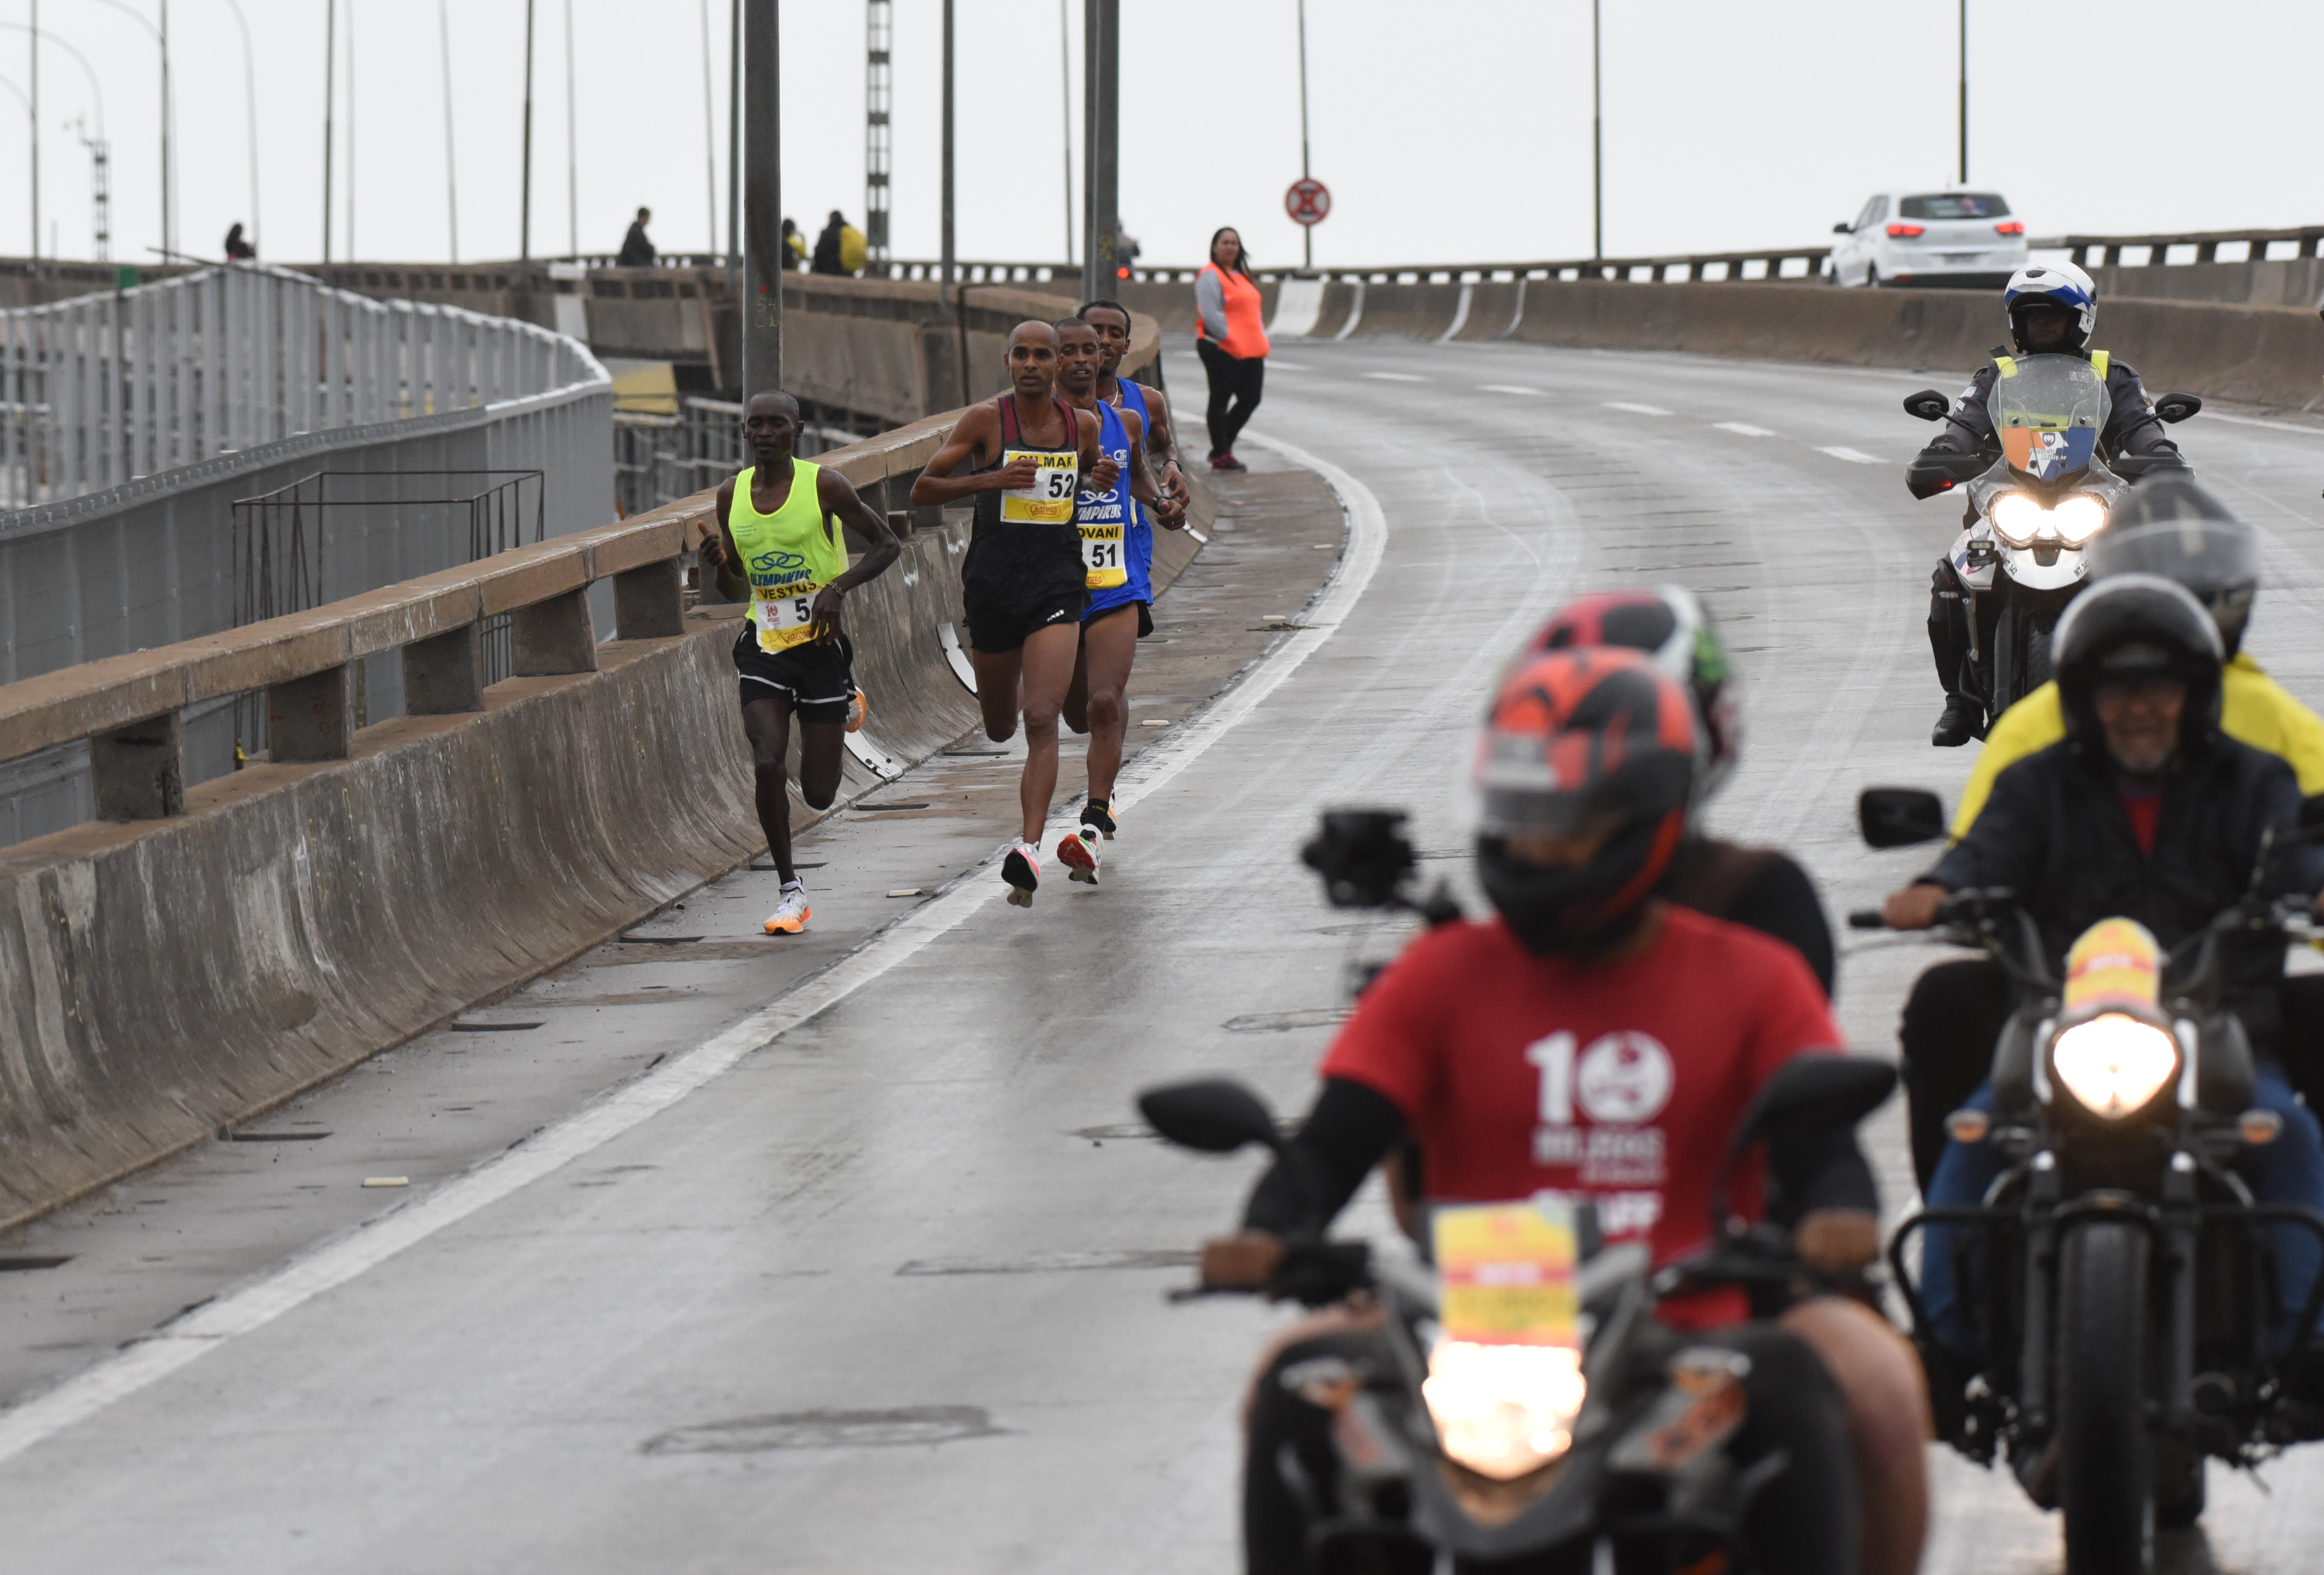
1049 501
1102 556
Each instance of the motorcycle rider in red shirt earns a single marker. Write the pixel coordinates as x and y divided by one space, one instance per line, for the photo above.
1595 1041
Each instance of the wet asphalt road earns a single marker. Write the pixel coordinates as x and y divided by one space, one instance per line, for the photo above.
887 1292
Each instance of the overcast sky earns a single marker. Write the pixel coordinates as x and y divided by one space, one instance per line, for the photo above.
1446 133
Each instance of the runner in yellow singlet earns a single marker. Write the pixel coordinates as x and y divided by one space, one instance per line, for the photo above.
776 526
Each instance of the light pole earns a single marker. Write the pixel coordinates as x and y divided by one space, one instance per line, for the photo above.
32 51
330 99
451 192
250 110
1066 108
1101 131
572 146
945 239
762 198
161 40
1597 142
709 133
1307 232
1964 92
96 93
524 223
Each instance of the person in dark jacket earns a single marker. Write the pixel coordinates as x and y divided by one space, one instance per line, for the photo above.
2051 309
2146 811
238 250
637 252
826 246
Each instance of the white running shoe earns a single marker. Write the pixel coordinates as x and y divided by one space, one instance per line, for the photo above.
1077 851
1022 869
791 915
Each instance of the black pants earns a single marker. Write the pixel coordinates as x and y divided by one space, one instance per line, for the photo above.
1957 1010
1803 1523
1234 382
1949 628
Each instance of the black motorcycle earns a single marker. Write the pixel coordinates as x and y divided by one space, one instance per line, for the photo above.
1636 1470
2119 1280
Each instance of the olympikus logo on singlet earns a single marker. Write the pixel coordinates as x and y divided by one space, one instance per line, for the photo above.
769 570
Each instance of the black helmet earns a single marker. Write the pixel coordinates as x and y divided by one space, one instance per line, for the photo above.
2170 527
2136 625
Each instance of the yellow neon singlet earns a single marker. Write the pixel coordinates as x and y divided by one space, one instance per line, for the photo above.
787 556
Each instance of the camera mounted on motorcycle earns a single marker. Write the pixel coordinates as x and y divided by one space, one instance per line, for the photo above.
1363 857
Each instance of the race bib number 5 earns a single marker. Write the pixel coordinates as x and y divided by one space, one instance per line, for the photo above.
786 616
1049 501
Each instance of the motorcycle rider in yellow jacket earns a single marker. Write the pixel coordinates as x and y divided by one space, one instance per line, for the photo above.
2168 526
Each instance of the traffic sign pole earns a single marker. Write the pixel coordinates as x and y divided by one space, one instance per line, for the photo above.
1307 231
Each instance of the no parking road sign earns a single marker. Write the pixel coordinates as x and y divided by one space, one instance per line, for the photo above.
1308 202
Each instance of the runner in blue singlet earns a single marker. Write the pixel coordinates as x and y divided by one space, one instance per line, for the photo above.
1118 616
1117 542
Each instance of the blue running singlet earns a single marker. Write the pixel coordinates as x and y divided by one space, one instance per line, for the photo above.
1137 546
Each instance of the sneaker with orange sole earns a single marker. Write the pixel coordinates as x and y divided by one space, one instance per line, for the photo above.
858 708
791 915
1077 851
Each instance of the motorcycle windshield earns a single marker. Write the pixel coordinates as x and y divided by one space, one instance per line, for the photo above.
2049 410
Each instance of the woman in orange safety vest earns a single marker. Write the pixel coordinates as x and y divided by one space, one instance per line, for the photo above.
1231 341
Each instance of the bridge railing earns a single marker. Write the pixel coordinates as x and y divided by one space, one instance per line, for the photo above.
107 388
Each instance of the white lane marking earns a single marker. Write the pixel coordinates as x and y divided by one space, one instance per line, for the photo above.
1397 377
1635 409
1514 388
339 1260
2271 426
1275 366
1853 457
1742 429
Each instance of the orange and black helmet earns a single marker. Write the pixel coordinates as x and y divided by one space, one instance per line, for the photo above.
1590 744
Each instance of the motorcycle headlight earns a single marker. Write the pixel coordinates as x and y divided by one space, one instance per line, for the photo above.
2078 518
2114 1063
1504 1410
2017 518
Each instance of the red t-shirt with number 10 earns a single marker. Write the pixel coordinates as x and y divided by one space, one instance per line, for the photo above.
1622 1081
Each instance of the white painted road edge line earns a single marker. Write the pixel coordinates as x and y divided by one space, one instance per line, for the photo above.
339 1260
1853 456
1741 429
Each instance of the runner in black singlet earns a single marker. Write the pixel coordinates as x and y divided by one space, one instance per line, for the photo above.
1023 582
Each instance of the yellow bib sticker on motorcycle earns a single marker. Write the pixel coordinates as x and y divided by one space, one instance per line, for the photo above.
2117 962
1506 1274
1049 501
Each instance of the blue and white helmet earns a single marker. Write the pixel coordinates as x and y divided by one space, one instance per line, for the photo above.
2054 284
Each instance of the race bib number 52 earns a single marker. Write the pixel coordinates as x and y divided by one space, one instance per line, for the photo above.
1049 501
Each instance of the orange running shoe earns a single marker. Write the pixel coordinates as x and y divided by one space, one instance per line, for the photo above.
791 915
858 709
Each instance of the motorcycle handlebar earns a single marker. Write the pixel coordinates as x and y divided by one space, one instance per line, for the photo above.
1867 918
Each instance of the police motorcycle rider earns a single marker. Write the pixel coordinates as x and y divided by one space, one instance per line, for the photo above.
2145 810
2172 527
1621 1021
2051 308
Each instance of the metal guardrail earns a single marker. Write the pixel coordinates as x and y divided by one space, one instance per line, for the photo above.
104 389
2202 246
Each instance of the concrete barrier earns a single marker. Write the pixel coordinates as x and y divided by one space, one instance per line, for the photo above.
162 981
2264 355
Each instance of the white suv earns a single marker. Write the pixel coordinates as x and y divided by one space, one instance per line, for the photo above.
1953 240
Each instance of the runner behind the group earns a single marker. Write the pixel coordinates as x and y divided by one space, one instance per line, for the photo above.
1023 583
1118 554
1097 702
776 525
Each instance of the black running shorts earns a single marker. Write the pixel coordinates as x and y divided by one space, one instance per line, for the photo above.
1145 616
817 680
1000 617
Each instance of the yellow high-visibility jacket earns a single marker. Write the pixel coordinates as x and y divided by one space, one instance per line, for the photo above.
2254 709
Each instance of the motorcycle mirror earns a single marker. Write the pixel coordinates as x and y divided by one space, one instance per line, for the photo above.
1825 1093
1899 817
2177 407
1842 228
1928 404
1213 1114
